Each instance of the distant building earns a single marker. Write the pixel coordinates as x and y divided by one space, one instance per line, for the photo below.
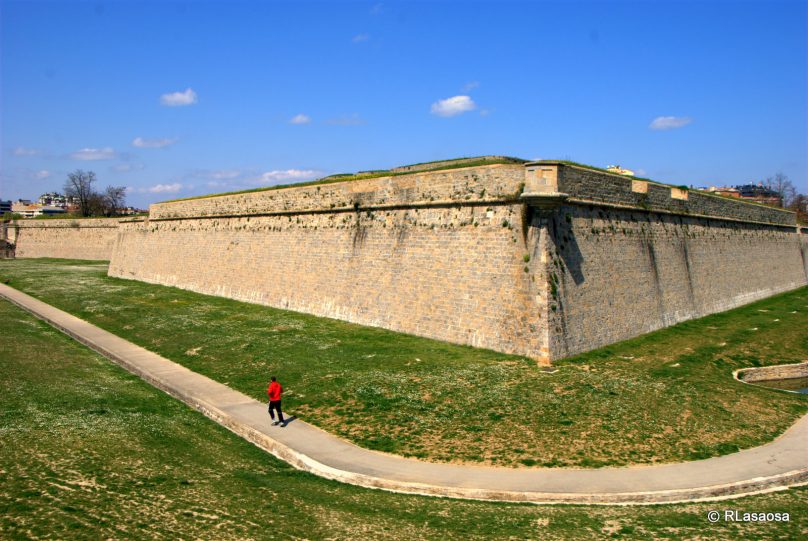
750 192
759 194
55 199
620 171
32 210
725 191
5 206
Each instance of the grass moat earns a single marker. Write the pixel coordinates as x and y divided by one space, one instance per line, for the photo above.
664 397
90 451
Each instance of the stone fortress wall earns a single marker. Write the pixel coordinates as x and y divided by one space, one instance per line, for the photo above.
89 238
804 246
476 255
546 259
435 254
628 256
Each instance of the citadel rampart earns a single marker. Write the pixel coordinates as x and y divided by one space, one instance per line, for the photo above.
544 260
91 238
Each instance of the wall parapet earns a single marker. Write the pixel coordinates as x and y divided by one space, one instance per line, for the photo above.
59 223
482 184
590 186
78 238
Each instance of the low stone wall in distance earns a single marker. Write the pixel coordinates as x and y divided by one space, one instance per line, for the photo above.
88 238
770 373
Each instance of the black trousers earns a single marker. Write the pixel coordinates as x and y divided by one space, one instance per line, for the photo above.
275 405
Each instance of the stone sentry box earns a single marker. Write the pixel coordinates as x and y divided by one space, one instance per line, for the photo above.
546 259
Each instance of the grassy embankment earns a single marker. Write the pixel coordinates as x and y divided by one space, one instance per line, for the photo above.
667 396
92 452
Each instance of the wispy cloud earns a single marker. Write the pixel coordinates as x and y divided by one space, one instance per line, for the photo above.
225 174
468 87
164 188
453 106
94 154
152 143
347 120
126 167
42 175
300 119
669 122
286 175
23 151
377 9
178 99
359 38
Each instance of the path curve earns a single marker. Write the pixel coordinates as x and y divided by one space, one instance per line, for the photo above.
776 465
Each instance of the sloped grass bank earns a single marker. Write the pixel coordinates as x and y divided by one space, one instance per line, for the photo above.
92 452
667 396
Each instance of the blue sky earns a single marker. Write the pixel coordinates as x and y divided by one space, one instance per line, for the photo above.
173 99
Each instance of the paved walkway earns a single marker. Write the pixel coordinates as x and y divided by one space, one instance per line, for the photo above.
781 463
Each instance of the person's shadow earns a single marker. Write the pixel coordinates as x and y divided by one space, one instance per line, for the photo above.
287 420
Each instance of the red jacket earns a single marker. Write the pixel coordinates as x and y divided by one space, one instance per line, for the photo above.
274 391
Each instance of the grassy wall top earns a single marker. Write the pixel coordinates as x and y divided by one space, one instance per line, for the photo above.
348 177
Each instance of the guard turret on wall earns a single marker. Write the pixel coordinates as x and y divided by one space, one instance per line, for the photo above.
541 186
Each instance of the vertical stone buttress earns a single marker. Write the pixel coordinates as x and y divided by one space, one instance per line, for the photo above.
543 199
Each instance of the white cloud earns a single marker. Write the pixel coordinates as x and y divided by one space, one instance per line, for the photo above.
22 151
359 38
669 122
178 99
453 106
468 87
165 188
42 175
300 119
94 154
281 175
152 143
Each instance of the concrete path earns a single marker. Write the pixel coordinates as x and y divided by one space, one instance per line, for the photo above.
781 463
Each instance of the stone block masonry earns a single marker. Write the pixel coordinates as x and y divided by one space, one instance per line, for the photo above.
90 238
434 254
544 259
619 273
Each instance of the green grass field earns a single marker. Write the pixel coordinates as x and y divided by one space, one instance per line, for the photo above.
667 396
92 452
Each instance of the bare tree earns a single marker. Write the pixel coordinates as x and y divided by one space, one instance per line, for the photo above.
782 186
79 184
114 200
799 204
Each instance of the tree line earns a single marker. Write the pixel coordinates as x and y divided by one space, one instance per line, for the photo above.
789 197
79 185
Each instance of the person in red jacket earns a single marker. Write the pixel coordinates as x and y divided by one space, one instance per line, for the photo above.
274 391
